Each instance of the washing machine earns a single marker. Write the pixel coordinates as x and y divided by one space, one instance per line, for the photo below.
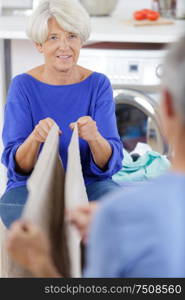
135 78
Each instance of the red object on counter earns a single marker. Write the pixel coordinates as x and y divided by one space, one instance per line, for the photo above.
144 14
146 11
153 15
139 15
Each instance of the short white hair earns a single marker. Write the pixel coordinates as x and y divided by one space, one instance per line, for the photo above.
69 14
174 75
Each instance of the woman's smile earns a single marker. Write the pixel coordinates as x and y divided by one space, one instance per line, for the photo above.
64 58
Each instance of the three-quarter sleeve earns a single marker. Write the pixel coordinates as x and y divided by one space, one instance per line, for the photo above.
18 125
105 118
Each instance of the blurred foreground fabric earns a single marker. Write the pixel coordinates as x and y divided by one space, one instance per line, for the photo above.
45 206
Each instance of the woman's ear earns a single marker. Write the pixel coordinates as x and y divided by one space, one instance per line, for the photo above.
168 115
39 47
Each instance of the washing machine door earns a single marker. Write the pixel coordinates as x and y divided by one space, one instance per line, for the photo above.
138 120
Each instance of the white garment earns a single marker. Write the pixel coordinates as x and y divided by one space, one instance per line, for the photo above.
75 195
45 204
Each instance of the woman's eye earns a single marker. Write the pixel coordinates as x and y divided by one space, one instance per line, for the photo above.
53 38
72 36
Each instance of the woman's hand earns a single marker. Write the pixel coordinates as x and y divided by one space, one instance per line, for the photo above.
100 147
25 238
27 154
87 129
81 217
29 246
42 130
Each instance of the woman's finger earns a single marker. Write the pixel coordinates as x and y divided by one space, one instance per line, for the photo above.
45 127
82 123
47 124
72 125
42 133
39 138
84 120
50 122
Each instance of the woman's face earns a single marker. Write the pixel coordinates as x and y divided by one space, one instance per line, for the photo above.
61 49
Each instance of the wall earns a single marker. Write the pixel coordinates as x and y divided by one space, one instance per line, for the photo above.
24 56
16 3
125 8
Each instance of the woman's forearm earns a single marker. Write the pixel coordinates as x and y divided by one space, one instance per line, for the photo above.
27 153
101 151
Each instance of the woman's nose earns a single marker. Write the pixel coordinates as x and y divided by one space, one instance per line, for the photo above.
64 44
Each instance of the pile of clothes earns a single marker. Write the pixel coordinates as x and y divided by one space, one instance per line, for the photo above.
139 168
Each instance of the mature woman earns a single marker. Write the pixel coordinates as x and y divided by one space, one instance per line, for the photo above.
62 92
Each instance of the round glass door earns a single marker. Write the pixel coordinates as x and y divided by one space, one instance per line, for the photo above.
132 125
138 121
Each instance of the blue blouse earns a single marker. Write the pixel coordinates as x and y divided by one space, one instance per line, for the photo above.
30 101
140 232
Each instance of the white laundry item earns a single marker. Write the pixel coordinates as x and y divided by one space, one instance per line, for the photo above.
45 205
75 195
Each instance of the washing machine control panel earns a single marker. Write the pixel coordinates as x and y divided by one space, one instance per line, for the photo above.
125 67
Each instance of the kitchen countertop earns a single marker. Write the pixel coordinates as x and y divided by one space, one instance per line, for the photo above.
113 29
104 29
